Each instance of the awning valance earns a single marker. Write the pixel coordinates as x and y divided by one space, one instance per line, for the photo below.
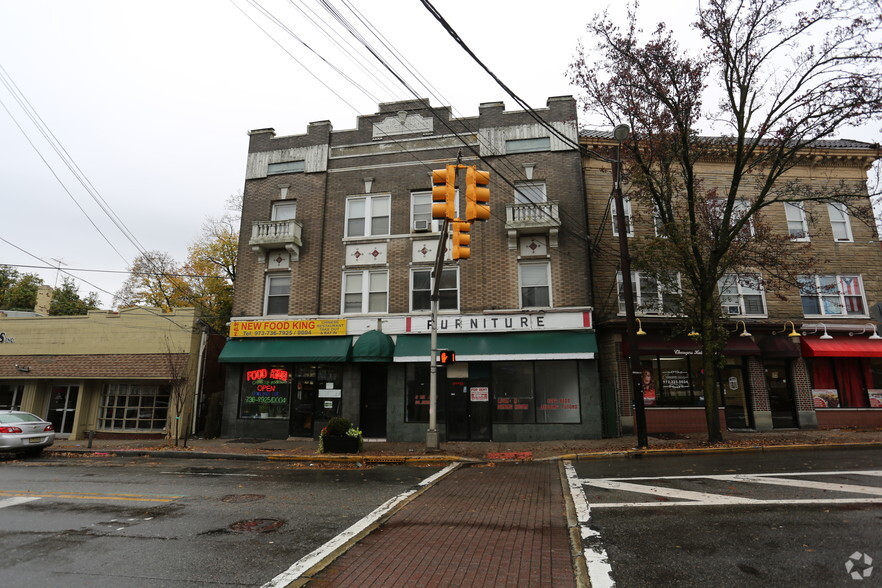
841 347
294 349
373 346
501 347
658 345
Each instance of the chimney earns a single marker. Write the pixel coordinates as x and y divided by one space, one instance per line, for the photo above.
44 299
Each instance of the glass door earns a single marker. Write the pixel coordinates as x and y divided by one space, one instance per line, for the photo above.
62 408
736 398
780 394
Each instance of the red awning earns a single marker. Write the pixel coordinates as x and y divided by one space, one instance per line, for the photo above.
657 345
841 347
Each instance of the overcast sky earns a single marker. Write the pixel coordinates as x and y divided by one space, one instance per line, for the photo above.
153 102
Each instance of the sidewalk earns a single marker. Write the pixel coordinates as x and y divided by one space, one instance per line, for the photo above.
483 525
304 450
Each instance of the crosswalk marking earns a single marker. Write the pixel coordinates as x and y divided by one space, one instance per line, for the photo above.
677 497
16 500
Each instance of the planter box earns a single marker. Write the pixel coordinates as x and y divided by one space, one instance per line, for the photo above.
340 444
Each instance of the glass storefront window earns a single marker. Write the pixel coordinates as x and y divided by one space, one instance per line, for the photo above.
417 393
557 391
10 396
133 407
266 392
512 389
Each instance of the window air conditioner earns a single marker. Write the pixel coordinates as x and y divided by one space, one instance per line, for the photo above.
731 309
422 225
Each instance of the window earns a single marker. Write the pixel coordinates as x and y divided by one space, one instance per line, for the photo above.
421 289
530 192
657 223
285 167
527 145
742 295
839 222
285 210
535 392
832 295
421 213
649 295
278 291
740 208
265 392
629 226
535 285
10 396
367 216
365 291
797 225
133 407
417 395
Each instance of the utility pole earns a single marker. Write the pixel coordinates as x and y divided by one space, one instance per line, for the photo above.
621 133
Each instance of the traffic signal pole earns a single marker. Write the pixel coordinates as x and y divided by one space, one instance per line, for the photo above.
433 442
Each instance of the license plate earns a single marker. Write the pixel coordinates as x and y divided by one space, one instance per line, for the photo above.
35 440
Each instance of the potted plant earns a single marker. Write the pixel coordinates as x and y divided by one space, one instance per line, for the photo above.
340 436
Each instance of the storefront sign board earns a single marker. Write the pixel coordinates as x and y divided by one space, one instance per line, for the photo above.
288 328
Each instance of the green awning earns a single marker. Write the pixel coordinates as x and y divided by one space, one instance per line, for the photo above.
294 349
373 346
501 346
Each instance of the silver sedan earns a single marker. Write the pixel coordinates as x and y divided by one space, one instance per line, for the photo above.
23 432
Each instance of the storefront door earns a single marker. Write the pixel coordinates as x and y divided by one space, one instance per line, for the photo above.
62 408
373 400
780 394
468 410
303 407
736 398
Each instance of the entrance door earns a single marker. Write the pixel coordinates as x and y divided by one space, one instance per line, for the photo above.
736 398
468 411
63 408
780 394
303 407
373 400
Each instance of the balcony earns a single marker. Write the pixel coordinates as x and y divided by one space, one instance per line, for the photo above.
531 218
267 235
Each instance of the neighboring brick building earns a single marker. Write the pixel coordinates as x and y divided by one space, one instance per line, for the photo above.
770 380
109 372
331 307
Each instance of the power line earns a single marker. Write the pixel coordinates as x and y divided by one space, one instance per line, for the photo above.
104 271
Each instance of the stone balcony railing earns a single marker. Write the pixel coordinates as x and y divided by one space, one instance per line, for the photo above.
267 235
531 218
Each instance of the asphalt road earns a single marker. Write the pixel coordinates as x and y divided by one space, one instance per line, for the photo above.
793 518
177 523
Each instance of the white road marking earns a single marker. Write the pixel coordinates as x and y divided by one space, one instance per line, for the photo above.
596 559
690 498
852 488
755 502
310 559
703 497
16 500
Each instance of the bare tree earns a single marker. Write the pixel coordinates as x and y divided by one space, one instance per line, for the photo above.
789 80
178 383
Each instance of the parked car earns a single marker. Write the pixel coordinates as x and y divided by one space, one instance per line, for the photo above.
24 433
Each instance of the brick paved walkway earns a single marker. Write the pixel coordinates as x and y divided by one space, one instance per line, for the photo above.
499 525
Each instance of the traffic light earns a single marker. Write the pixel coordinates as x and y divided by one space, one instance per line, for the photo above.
446 356
444 192
461 240
477 194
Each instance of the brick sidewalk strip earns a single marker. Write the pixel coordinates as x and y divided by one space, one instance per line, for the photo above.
490 525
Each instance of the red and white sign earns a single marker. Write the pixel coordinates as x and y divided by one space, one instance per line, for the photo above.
479 394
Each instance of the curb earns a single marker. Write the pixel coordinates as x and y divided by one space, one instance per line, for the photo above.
172 454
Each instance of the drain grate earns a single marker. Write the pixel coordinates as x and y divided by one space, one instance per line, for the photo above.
237 498
256 525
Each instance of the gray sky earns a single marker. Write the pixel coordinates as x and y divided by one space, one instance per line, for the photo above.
153 100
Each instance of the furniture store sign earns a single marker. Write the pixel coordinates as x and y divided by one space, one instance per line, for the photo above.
288 328
482 323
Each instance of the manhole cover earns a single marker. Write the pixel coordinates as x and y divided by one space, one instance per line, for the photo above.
236 498
256 525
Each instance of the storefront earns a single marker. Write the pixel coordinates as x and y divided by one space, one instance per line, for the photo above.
528 376
846 380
